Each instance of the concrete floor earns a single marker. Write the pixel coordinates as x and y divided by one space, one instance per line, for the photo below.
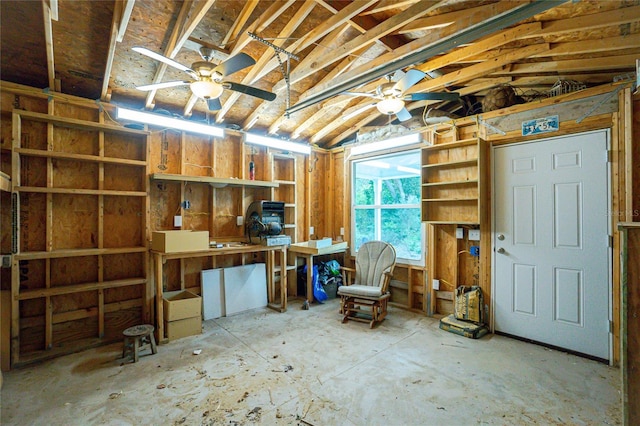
305 367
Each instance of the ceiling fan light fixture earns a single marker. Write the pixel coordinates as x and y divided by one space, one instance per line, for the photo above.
390 106
205 89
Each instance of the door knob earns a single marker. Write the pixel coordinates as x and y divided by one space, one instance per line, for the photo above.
501 250
501 237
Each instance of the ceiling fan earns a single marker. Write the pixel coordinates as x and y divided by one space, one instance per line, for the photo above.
392 95
208 78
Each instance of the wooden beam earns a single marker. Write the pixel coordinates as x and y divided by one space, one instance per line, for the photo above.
624 15
238 24
384 28
477 70
434 37
328 41
272 13
185 25
48 37
292 24
364 23
576 65
338 70
111 50
127 8
338 20
386 5
488 43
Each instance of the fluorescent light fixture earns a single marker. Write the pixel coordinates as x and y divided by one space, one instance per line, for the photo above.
386 144
164 121
277 143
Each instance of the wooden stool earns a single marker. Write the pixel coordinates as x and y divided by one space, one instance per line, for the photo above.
138 338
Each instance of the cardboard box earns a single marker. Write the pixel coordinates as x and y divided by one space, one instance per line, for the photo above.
183 328
180 241
180 305
325 242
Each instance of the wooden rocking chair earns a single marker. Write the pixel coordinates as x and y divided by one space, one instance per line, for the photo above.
365 299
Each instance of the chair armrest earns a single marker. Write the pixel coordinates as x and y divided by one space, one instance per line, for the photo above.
347 275
385 281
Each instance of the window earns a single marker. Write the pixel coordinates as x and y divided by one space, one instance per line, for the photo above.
386 204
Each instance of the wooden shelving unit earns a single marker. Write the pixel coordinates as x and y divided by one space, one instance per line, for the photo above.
450 181
453 195
73 181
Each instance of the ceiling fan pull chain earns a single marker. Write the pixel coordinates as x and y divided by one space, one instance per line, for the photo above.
285 74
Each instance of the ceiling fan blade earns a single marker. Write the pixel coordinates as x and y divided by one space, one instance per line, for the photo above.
249 90
396 76
403 114
234 64
168 61
368 95
433 96
214 104
164 85
410 78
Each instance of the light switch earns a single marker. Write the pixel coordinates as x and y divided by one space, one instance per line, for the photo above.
177 221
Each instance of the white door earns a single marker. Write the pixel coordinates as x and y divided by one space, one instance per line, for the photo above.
551 245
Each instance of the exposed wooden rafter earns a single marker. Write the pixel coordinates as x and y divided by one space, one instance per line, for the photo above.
188 20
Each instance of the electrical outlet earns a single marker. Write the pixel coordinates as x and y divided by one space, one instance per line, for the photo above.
239 220
435 284
6 261
460 233
312 230
177 221
474 235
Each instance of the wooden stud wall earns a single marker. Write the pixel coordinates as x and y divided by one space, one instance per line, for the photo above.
72 178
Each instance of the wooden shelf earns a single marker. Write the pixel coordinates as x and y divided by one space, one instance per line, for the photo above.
79 157
448 145
214 181
451 164
33 255
77 191
456 182
75 288
447 222
447 200
78 124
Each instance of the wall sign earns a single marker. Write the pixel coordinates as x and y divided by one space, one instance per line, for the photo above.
540 125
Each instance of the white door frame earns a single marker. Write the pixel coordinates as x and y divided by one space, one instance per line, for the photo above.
492 307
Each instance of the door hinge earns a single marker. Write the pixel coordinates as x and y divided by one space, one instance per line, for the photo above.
609 155
610 241
610 326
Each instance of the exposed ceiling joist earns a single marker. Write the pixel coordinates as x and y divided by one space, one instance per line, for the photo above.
48 34
280 40
188 20
470 34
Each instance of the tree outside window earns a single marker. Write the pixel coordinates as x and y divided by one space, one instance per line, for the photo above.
386 203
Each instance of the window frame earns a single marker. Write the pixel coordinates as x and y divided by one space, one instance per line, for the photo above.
378 207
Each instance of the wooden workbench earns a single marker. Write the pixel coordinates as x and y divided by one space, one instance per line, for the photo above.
160 259
306 252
